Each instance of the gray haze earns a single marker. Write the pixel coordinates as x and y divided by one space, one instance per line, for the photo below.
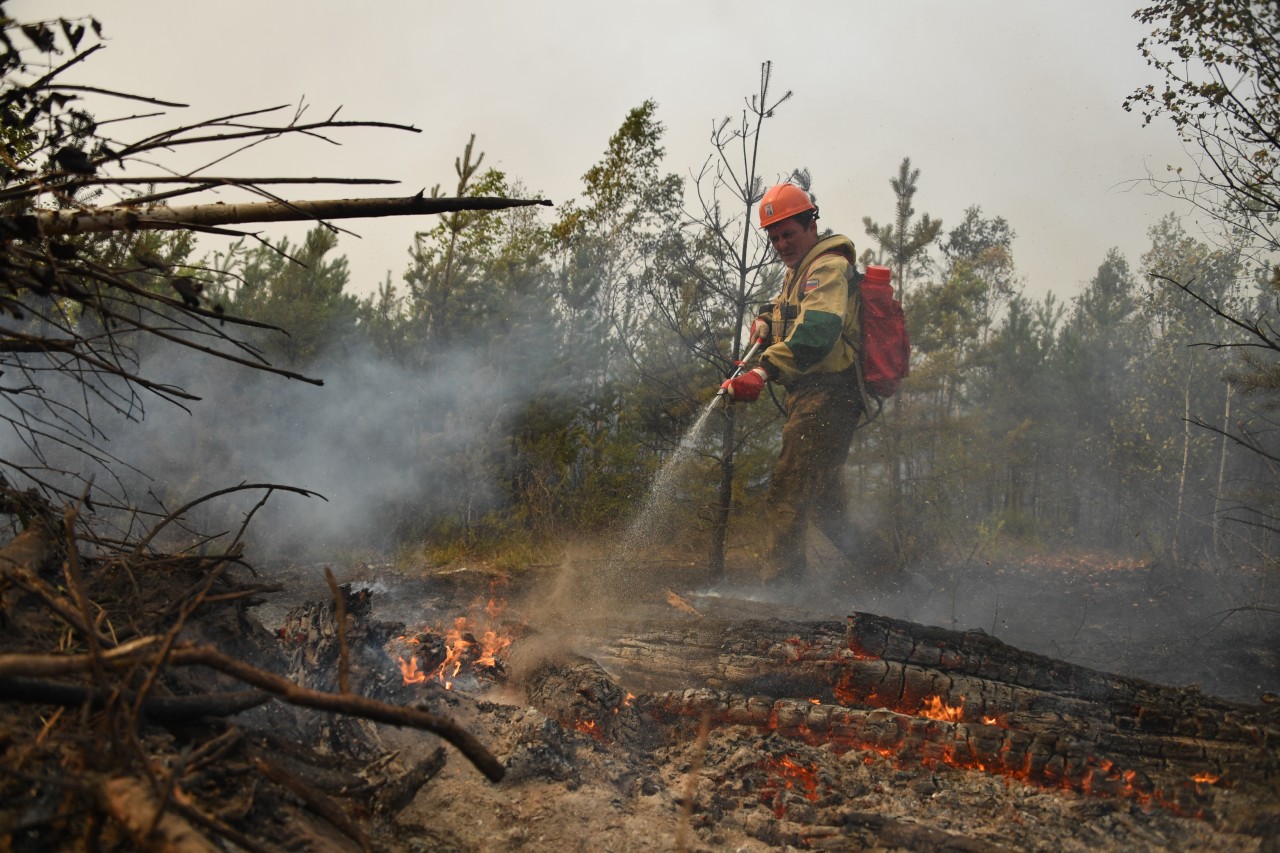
1009 105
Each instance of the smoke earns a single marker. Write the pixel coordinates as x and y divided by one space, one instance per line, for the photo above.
385 446
390 448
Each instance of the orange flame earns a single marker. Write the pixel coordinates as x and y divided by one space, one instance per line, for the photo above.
589 727
461 647
455 648
936 709
492 646
409 669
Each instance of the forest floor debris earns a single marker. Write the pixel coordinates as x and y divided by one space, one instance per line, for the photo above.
592 762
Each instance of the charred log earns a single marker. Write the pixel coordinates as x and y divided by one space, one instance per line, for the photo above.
927 696
578 694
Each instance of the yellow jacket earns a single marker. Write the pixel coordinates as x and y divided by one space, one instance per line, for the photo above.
814 321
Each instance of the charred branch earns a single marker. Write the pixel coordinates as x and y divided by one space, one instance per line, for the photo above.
314 799
396 795
143 652
161 709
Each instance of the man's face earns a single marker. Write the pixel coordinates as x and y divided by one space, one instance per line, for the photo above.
792 241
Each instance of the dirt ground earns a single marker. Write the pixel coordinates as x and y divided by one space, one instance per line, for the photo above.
738 788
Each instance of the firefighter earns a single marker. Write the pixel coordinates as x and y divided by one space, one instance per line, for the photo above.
808 335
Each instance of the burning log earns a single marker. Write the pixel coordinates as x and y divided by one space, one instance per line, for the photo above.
928 696
1046 758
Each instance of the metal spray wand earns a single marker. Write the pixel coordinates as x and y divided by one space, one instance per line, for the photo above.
742 365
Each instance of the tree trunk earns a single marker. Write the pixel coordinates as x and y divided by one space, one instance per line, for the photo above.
1176 538
724 496
1222 472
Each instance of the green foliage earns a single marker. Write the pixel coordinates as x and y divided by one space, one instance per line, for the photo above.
1218 62
904 243
297 289
447 259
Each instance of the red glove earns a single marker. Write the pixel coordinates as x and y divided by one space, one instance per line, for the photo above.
747 387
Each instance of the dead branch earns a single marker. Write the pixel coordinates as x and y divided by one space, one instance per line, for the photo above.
144 650
315 800
1264 337
25 579
396 796
51 223
178 513
134 806
357 706
163 709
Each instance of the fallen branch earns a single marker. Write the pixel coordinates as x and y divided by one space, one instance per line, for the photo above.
357 706
315 800
50 223
142 652
164 709
396 796
133 805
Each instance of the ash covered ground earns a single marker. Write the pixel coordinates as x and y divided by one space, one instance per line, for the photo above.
731 787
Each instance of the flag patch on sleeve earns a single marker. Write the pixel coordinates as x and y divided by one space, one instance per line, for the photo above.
810 284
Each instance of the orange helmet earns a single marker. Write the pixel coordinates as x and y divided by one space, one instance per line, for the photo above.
783 201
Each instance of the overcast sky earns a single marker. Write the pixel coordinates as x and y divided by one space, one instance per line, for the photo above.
1011 105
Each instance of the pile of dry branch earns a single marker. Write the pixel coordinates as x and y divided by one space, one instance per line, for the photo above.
142 703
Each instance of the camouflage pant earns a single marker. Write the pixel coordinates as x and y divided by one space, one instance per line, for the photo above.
808 480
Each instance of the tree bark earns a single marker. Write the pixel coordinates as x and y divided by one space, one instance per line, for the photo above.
1177 528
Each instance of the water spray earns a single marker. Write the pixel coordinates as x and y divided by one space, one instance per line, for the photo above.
742 365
